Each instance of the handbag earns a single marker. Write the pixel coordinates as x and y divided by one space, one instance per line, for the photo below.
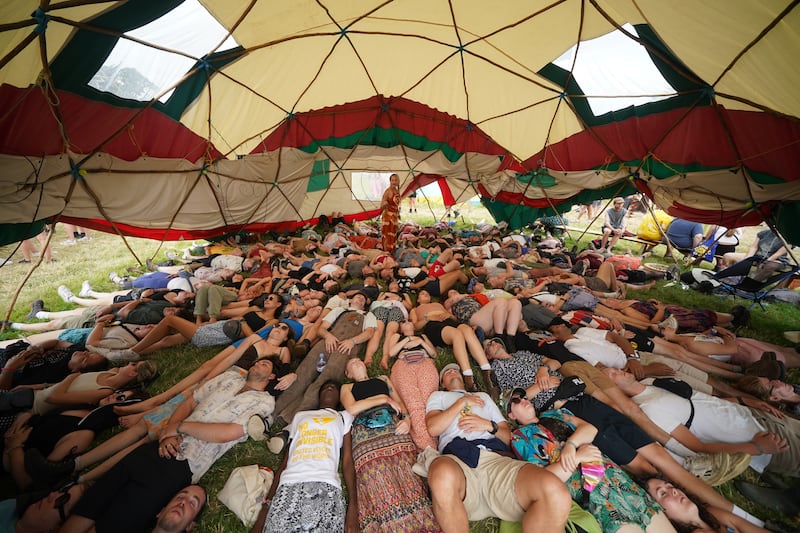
414 355
245 490
377 417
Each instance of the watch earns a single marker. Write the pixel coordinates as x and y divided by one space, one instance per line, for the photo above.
494 427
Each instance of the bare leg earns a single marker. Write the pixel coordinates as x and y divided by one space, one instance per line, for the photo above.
184 327
448 490
372 345
545 499
97 472
474 345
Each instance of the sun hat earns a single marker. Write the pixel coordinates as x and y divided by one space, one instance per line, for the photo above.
451 366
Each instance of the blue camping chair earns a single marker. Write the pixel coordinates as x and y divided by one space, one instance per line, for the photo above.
753 278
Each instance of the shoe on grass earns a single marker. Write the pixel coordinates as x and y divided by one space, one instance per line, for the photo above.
257 428
276 444
65 293
36 306
86 288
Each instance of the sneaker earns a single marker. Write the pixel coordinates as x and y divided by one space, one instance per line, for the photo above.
65 294
172 256
257 428
424 460
114 277
36 306
86 288
276 444
68 242
45 471
716 468
673 273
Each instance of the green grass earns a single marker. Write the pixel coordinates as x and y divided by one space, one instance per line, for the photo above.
94 259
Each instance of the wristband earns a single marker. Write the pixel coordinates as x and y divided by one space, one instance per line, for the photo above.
634 356
7 369
570 443
759 448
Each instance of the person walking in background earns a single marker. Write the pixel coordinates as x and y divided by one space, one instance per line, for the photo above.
390 214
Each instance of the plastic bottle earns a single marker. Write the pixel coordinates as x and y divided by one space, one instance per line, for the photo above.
321 363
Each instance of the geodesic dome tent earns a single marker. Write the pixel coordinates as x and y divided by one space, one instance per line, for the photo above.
195 118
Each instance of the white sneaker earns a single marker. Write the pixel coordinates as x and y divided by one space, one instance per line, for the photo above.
86 288
256 428
276 444
424 460
65 294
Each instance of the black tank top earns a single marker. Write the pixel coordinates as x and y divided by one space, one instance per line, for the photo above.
369 388
254 321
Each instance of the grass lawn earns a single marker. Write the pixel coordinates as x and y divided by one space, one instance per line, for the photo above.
94 259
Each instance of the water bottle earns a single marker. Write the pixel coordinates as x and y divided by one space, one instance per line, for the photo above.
321 363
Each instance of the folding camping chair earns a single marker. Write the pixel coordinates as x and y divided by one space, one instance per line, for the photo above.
753 278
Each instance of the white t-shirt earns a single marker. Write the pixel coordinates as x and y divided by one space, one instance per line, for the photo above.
715 420
316 440
441 400
591 345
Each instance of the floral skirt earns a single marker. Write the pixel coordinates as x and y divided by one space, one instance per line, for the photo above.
390 496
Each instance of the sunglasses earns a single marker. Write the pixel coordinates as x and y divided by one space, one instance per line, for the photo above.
272 297
284 327
62 501
515 400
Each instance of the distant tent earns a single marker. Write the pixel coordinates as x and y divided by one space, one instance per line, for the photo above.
257 114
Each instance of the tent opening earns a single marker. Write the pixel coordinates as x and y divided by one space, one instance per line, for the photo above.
138 72
615 72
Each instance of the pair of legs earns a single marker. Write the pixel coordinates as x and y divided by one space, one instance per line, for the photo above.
500 316
614 233
28 248
162 335
542 496
384 331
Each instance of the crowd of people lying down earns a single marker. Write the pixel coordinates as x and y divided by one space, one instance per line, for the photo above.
461 376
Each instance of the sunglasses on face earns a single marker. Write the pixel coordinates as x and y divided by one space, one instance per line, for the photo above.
284 327
515 400
272 297
62 501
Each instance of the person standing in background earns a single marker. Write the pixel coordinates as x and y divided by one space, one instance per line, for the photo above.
390 214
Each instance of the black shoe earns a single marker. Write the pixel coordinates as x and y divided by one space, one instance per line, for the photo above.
36 306
45 471
781 500
673 273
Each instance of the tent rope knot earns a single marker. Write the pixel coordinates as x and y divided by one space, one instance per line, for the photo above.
469 127
708 92
384 108
41 19
77 172
204 64
290 116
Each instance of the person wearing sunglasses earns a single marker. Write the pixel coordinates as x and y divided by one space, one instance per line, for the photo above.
474 478
37 512
560 442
